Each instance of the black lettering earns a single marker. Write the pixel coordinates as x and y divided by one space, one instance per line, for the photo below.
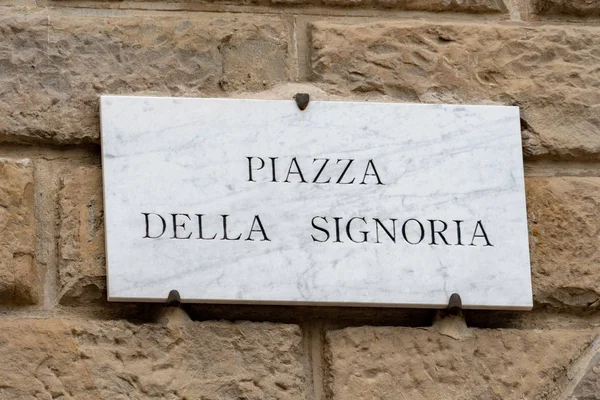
375 174
458 232
337 230
274 179
349 233
164 225
225 237
320 229
262 164
321 170
483 235
344 172
433 231
182 225
404 231
200 231
260 229
378 223
298 171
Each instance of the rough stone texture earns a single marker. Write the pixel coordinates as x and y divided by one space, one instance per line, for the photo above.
563 231
483 6
54 66
19 280
422 364
470 6
82 271
75 359
573 7
551 72
18 3
588 387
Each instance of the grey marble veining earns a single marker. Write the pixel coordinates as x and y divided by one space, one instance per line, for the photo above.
360 232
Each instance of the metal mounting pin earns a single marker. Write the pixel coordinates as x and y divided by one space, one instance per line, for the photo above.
454 304
302 100
174 299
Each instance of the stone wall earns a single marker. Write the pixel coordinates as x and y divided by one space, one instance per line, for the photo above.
60 339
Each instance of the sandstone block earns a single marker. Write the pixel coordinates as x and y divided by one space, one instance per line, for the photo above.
75 359
563 230
407 363
572 7
290 2
475 6
549 71
588 387
345 3
17 3
55 66
82 263
19 280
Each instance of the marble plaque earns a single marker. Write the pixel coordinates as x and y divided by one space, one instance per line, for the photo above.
344 203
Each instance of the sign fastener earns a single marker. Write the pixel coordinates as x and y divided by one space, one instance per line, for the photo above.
302 100
174 299
454 304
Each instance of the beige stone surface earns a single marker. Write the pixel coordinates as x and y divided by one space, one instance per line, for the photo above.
588 387
117 360
55 65
483 6
82 270
475 6
468 6
550 72
17 3
570 7
564 223
19 280
390 363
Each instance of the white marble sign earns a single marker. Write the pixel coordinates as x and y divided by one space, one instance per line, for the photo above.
345 203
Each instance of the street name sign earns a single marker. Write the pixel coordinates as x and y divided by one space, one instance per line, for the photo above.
343 203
